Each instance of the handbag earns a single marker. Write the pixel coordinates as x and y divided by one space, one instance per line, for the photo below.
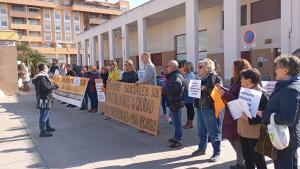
279 134
264 145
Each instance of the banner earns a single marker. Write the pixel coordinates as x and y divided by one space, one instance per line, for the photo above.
70 89
252 97
137 105
194 89
100 93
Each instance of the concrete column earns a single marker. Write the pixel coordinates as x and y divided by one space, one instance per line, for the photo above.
192 28
286 26
101 50
232 35
125 43
111 39
79 62
295 25
94 51
142 39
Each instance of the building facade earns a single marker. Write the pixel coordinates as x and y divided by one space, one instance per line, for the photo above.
188 30
50 26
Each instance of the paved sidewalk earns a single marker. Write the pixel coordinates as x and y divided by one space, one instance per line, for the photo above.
86 140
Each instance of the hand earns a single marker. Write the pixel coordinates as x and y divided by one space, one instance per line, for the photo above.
260 113
221 92
244 117
218 86
203 88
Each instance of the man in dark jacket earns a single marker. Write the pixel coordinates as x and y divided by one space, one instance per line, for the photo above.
54 67
43 88
174 92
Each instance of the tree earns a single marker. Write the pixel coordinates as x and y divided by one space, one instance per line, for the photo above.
31 57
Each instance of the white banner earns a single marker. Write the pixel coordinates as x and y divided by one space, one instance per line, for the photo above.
238 107
100 93
194 89
252 97
269 86
141 74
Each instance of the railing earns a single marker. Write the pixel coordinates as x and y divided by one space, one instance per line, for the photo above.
98 7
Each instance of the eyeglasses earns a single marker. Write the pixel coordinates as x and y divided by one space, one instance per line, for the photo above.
200 67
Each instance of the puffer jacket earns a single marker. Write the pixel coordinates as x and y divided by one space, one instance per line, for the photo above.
285 103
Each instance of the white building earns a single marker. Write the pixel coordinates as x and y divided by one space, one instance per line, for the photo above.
194 29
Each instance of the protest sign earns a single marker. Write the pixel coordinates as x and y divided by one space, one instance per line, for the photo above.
100 93
141 74
135 105
252 97
67 91
77 81
269 86
194 89
238 107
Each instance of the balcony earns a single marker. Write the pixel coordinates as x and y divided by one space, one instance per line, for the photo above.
31 38
46 50
34 15
39 3
95 9
20 14
26 26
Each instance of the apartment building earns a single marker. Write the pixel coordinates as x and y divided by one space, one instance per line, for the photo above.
51 26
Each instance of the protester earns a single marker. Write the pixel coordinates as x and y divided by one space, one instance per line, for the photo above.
104 75
249 128
230 125
62 70
54 68
161 81
43 88
207 122
92 92
188 101
85 101
285 103
24 74
70 71
114 71
130 75
150 71
174 92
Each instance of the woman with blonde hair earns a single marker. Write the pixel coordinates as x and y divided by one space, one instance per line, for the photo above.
114 71
130 75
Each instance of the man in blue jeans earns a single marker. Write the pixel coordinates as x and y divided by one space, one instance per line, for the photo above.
174 92
43 88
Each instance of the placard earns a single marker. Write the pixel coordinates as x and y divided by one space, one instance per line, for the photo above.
100 93
77 81
137 105
252 97
269 86
238 107
194 89
141 74
67 91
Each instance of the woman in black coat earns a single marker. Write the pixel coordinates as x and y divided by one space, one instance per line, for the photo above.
130 75
285 103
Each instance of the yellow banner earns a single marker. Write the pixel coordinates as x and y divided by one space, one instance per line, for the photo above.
135 105
70 89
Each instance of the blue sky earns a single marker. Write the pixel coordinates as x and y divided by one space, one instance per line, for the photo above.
133 3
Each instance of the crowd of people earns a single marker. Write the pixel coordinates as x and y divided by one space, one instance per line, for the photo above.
243 133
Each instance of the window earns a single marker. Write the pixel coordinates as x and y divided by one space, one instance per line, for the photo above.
243 16
3 22
46 14
68 37
18 8
67 15
67 27
48 36
18 21
33 10
77 27
124 8
57 26
180 44
106 16
47 25
3 9
58 36
76 16
33 21
57 15
265 10
34 33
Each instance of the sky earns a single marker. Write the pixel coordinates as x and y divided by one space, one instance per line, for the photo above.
133 3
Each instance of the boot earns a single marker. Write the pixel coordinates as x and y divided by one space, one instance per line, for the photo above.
44 133
50 129
188 125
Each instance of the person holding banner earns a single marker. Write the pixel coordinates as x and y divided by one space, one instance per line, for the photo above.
229 124
43 88
130 75
114 71
174 92
150 71
91 88
285 103
104 75
188 101
249 128
83 73
207 122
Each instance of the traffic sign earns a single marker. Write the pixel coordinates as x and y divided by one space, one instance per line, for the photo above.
249 36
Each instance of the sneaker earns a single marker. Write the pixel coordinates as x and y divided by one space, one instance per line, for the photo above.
198 153
176 144
50 129
214 158
44 133
172 140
